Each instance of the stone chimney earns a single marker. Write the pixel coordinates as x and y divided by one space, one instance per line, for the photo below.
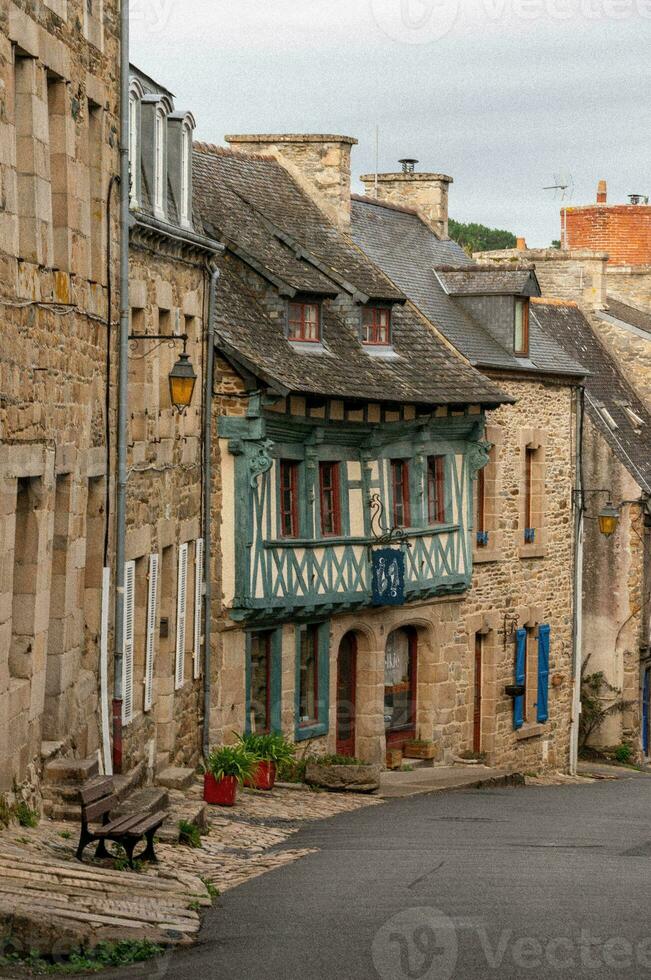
602 192
426 193
320 164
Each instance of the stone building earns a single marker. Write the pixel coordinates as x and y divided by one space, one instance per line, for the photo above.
299 406
59 94
170 262
622 230
520 605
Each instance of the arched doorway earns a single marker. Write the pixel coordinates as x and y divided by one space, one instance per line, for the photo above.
346 695
400 679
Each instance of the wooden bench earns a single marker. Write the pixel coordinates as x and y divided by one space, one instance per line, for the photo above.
97 800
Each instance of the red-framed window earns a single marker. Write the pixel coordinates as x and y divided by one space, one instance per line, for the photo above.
400 491
436 489
376 325
260 683
400 686
521 328
289 524
308 695
304 322
329 486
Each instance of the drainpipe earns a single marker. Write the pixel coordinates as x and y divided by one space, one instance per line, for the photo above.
577 631
207 504
122 392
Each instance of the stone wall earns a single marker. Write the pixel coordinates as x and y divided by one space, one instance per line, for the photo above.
58 151
579 275
631 284
426 193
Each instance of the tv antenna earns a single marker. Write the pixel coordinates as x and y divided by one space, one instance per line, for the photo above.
563 186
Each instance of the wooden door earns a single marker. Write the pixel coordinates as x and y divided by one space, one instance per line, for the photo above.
476 732
346 690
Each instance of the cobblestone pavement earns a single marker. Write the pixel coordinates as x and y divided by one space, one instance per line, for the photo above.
48 899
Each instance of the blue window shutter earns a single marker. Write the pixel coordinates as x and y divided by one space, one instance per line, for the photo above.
520 676
543 673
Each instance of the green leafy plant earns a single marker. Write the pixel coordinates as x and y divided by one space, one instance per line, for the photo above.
338 760
272 747
84 961
475 237
189 834
212 890
624 752
232 760
65 834
596 693
25 816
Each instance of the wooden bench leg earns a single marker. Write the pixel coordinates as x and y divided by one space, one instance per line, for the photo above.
149 854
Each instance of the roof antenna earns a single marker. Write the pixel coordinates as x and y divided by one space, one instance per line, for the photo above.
377 159
563 186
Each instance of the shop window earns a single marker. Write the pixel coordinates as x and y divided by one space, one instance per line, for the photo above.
400 664
312 680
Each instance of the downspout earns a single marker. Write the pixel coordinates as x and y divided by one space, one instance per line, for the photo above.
577 630
122 393
207 505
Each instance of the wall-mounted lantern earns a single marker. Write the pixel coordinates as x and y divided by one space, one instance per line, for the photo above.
609 519
182 380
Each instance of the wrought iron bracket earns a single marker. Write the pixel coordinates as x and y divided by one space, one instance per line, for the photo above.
511 624
172 340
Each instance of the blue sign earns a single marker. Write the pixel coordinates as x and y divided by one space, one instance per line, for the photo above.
388 577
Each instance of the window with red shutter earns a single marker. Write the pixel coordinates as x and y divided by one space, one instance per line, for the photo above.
376 325
330 499
436 489
304 322
400 489
289 498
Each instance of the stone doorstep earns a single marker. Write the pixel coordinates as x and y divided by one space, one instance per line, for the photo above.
176 777
71 770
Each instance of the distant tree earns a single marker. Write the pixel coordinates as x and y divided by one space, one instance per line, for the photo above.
478 238
556 243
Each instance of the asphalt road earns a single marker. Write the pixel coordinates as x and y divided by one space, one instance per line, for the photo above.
533 882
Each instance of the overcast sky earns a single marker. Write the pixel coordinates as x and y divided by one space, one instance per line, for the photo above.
506 96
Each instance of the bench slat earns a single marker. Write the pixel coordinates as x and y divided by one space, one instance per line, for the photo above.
148 822
122 825
95 790
96 810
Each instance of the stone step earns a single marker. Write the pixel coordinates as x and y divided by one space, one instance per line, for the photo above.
70 770
176 777
192 811
129 782
150 799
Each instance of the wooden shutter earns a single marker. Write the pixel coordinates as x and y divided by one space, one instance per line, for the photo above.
128 641
198 605
520 676
152 623
543 673
181 607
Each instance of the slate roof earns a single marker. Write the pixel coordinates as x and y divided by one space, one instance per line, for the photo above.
409 252
488 282
606 387
265 219
628 314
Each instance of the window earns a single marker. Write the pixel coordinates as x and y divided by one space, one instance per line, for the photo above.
529 531
308 702
304 322
400 659
521 331
260 683
159 172
330 499
436 490
400 491
186 145
134 149
376 325
289 524
482 533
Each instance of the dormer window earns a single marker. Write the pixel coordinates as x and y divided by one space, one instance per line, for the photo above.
304 322
186 146
159 162
521 328
376 326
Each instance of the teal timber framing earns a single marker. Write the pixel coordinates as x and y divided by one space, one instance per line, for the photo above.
278 580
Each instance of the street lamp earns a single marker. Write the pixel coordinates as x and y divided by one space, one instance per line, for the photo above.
182 380
609 519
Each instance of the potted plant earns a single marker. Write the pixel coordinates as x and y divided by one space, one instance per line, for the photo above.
342 773
420 748
226 767
271 750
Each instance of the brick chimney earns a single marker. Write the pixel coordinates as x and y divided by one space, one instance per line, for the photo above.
602 192
521 244
320 164
426 193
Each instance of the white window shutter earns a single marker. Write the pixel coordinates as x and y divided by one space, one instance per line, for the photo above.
152 623
181 605
198 605
128 641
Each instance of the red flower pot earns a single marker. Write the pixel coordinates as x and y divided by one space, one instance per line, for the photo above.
221 792
264 776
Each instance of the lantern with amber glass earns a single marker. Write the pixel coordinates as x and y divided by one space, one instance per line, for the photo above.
182 380
609 519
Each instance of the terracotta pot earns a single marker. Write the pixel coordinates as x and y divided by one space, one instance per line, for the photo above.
222 792
414 751
264 776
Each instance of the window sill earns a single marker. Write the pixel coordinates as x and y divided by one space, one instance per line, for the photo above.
482 556
531 731
303 732
382 350
532 551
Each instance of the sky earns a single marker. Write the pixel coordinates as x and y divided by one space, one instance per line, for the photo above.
506 96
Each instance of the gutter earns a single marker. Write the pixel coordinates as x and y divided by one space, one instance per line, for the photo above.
122 393
207 504
577 614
